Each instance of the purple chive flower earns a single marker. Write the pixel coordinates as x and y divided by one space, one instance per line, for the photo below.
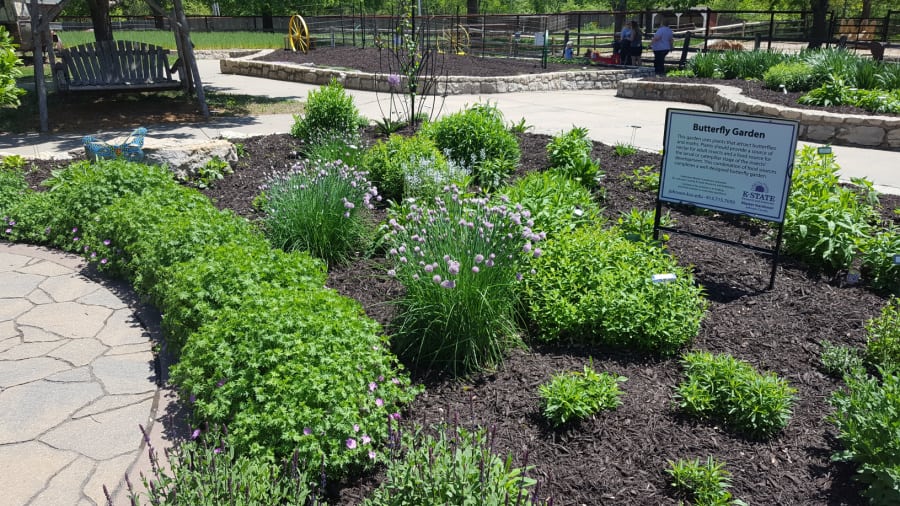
537 252
393 80
392 272
379 402
479 258
518 276
475 269
307 431
351 443
217 451
448 284
436 278
429 268
527 247
195 434
489 263
395 416
453 267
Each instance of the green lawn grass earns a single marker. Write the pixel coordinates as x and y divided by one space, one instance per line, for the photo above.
201 40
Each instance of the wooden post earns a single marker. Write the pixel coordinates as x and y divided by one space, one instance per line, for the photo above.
190 61
40 87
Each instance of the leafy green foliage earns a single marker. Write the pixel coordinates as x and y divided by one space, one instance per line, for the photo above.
13 162
878 259
141 235
747 64
456 466
593 285
570 154
10 69
829 63
703 483
336 149
321 208
705 65
520 127
839 361
555 202
408 167
220 277
833 92
208 472
13 188
459 259
574 396
213 170
296 370
645 178
883 337
789 75
83 188
867 417
824 222
637 225
329 114
25 216
623 149
730 390
470 137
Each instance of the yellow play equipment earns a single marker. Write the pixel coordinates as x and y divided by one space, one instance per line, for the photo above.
454 39
298 34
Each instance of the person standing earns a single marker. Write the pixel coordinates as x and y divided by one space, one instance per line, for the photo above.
637 43
662 42
625 44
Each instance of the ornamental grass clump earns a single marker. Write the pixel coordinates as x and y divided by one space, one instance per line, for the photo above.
724 388
321 208
459 259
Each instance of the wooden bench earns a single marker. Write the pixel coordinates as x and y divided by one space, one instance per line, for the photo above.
115 65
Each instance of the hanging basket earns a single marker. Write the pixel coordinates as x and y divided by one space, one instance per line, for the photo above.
130 149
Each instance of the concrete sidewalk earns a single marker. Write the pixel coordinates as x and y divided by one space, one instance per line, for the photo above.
609 119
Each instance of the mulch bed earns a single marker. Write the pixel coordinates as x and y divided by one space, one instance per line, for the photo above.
619 457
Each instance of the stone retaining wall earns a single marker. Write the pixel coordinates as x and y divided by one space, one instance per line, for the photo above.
454 85
881 132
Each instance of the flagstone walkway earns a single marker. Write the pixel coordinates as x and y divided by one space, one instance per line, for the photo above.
77 377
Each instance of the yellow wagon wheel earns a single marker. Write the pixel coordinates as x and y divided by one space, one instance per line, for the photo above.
298 33
454 39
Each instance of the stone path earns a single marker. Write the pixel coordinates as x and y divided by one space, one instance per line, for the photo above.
77 377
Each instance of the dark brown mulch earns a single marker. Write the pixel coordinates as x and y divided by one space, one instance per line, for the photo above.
619 457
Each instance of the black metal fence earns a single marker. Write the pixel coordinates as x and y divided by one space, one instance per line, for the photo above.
518 35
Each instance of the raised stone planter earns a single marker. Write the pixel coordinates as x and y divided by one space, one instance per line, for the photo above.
452 85
881 132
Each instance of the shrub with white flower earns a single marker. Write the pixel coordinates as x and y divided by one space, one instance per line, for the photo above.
458 259
320 207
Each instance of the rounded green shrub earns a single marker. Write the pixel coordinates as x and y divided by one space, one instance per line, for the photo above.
329 114
593 285
793 75
554 201
575 396
879 253
220 277
408 167
297 371
469 138
731 390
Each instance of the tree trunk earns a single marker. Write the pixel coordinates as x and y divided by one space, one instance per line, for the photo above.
819 33
100 19
471 7
620 7
866 9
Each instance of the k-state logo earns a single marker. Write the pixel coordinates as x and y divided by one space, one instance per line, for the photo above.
758 192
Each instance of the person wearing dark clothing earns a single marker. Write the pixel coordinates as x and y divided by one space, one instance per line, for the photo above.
637 43
662 42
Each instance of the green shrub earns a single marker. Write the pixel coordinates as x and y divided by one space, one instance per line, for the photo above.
888 76
469 138
883 337
141 235
645 178
832 92
220 277
724 388
83 188
207 471
459 259
624 149
792 75
825 63
10 70
296 371
839 361
637 225
408 167
336 150
824 222
329 114
322 208
554 201
454 467
593 285
705 65
867 417
574 396
13 188
27 216
877 101
569 146
879 253
747 64
704 484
